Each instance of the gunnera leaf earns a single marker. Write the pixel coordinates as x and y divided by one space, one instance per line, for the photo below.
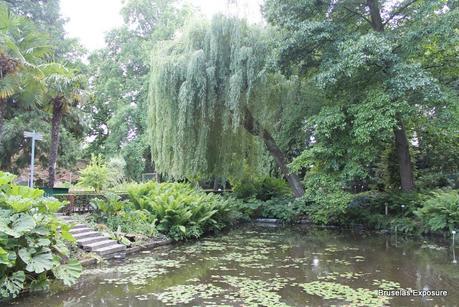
69 272
11 286
37 262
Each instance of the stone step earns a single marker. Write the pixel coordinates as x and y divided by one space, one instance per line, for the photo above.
96 245
86 241
75 231
79 226
86 234
67 220
111 249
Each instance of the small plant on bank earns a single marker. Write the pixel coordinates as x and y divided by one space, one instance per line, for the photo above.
32 241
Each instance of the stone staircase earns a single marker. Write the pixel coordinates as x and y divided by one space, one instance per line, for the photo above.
93 241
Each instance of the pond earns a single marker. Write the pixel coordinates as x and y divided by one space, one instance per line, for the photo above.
264 266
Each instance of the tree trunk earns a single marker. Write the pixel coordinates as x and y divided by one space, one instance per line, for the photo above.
401 141
375 14
55 127
2 117
404 159
253 127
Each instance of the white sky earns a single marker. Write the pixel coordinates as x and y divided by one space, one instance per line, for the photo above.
89 20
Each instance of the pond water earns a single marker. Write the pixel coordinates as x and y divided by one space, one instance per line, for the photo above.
263 266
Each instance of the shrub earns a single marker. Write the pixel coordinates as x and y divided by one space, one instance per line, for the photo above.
121 216
110 205
32 240
132 222
329 208
368 208
117 170
181 211
326 202
440 211
263 188
248 208
287 209
95 175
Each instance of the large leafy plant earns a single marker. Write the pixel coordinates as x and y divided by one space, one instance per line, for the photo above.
180 210
122 217
32 241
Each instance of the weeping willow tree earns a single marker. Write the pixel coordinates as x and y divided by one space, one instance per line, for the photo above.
213 106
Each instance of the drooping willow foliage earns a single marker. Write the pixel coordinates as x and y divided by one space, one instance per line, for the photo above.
202 84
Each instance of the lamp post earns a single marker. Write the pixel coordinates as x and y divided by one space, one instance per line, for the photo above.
35 136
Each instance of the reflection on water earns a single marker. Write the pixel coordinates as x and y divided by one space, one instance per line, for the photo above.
259 266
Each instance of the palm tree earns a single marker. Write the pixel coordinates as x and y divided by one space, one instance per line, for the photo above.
65 89
22 48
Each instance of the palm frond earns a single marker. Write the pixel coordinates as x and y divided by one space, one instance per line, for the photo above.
9 85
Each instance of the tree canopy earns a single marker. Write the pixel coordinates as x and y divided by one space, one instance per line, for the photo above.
215 103
367 56
119 83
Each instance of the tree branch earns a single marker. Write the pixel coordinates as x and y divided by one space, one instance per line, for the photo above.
399 10
358 14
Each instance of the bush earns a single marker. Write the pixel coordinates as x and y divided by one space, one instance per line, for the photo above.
116 168
326 202
95 175
121 216
440 211
329 208
264 188
368 208
286 209
181 211
132 222
32 240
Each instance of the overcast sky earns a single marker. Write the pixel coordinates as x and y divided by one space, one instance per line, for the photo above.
90 19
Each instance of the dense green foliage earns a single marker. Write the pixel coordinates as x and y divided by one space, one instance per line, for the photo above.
100 174
361 96
261 188
122 216
32 35
215 104
96 174
32 241
174 209
120 81
388 119
194 120
181 211
441 211
378 85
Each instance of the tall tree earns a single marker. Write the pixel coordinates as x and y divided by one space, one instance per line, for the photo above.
213 101
24 110
363 56
119 81
22 48
47 18
65 89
